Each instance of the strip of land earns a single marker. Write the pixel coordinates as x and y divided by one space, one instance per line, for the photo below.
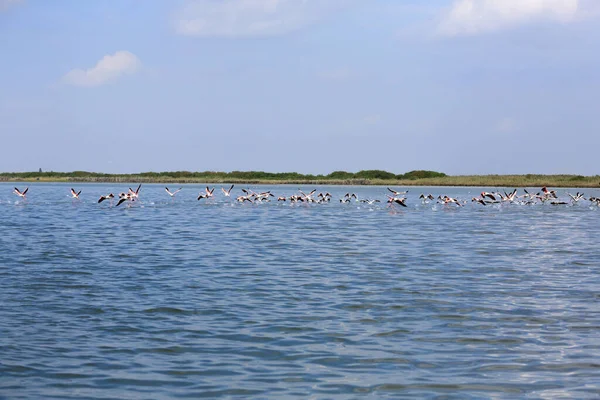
368 177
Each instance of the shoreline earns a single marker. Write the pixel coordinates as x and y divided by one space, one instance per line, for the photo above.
567 181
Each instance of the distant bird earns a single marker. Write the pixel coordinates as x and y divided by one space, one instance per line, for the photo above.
479 200
264 196
134 194
577 197
75 194
348 196
241 199
207 193
127 197
21 194
549 193
172 193
281 198
227 192
509 196
426 198
308 197
396 193
397 200
107 197
530 196
369 201
324 198
448 200
488 195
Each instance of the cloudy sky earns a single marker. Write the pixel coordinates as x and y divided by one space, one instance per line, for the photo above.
313 86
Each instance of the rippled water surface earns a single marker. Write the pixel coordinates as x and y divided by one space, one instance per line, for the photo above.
187 299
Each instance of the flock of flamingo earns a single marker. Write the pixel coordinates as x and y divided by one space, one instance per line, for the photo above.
397 198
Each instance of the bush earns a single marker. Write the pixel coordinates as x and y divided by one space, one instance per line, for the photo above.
421 174
342 175
374 174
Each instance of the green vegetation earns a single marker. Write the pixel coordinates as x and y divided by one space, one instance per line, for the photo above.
413 175
367 177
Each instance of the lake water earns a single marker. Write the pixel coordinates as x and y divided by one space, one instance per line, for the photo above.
189 299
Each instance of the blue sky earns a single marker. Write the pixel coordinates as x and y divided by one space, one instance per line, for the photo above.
312 86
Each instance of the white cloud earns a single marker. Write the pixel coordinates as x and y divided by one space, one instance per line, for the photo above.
4 4
242 18
108 69
469 17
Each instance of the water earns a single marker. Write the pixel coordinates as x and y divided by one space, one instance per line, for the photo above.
187 299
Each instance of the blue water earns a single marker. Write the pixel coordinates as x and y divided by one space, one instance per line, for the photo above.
189 299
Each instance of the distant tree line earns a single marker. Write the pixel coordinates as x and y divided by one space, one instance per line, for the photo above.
237 175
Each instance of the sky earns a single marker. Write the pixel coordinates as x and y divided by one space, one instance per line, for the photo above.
311 86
